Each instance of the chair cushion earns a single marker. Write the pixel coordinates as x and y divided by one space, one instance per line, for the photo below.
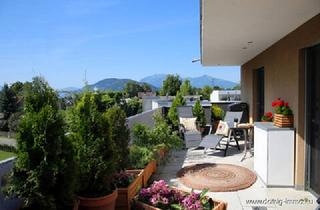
189 123
223 128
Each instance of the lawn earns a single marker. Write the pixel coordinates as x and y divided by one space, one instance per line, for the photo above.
4 155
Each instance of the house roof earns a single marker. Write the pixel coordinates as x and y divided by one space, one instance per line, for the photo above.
235 31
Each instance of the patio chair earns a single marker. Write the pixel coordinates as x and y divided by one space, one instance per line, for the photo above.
227 132
188 127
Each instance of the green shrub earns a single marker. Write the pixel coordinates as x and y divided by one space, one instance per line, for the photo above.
139 157
142 136
120 134
173 112
96 153
217 112
44 175
198 112
161 134
7 148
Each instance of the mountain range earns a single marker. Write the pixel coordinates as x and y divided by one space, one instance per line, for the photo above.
155 81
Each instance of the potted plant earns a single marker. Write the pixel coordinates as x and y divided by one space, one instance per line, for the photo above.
129 183
267 117
44 172
217 114
96 154
283 116
198 112
160 196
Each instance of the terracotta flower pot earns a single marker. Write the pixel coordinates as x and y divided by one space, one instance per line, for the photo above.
148 171
126 195
101 203
283 121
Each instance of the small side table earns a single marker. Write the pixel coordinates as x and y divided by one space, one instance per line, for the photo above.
248 134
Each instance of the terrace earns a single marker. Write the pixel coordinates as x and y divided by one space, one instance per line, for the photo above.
287 44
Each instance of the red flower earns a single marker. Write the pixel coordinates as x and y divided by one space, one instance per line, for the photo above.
274 103
280 103
269 114
286 104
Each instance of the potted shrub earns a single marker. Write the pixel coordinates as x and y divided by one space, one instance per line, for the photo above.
267 117
142 158
217 114
96 154
198 112
160 196
283 116
128 183
120 135
44 173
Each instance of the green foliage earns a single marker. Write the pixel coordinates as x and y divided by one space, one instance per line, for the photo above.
44 175
161 134
198 112
7 148
217 88
186 88
132 89
171 85
8 101
133 106
173 113
120 135
90 130
237 87
139 156
217 112
206 92
142 136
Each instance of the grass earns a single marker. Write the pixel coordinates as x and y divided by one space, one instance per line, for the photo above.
5 155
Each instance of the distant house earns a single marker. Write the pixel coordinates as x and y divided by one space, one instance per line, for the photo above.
225 96
146 94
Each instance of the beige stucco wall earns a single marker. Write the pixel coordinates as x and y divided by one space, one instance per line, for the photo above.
284 77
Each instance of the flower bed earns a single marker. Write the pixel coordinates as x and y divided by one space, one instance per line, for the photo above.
126 194
161 196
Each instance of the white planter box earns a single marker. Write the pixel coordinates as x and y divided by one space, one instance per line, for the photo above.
274 154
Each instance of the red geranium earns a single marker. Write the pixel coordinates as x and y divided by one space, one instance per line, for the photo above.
281 107
267 117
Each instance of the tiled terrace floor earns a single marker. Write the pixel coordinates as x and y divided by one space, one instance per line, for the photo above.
236 200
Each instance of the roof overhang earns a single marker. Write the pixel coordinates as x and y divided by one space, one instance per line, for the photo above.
235 31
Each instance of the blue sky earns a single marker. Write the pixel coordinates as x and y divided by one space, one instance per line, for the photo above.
62 39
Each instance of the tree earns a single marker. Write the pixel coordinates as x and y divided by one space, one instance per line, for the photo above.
133 88
237 87
90 130
217 88
170 85
120 134
44 172
206 92
173 112
198 112
133 106
186 88
17 88
146 87
8 101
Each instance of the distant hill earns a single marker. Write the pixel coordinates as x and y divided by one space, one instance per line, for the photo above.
114 84
157 79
